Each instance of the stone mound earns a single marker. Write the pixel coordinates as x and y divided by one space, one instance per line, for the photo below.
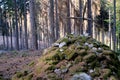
75 58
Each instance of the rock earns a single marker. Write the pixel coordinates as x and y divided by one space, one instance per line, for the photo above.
62 44
113 78
64 70
91 71
81 76
86 44
77 58
85 34
94 49
58 71
56 44
90 45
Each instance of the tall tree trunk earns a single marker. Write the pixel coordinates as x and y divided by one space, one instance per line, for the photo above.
16 23
57 21
110 28
25 25
33 24
68 20
89 30
81 20
11 39
114 26
51 17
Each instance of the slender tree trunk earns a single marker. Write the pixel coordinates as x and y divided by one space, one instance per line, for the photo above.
11 34
3 40
33 24
89 30
81 20
51 17
25 25
109 28
16 23
57 21
68 20
114 26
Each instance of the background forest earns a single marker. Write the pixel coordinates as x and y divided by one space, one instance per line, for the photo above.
59 39
36 24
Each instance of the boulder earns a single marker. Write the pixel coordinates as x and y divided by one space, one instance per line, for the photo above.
76 58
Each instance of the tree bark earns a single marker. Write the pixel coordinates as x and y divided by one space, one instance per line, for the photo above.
33 24
81 20
51 17
68 20
16 23
89 30
25 25
114 26
57 20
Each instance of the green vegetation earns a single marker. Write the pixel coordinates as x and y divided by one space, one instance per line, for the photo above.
97 60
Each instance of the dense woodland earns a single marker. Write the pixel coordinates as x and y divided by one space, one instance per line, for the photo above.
36 24
59 39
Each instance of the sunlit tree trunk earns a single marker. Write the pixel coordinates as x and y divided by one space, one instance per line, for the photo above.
25 25
16 24
33 24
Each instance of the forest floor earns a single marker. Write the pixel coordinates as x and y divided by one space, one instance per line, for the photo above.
14 61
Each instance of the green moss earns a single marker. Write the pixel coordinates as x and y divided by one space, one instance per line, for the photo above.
113 78
70 54
1 78
40 78
31 63
84 39
51 68
78 59
105 47
107 52
63 40
28 77
106 73
81 52
52 76
94 64
96 44
19 74
80 47
53 62
95 74
90 57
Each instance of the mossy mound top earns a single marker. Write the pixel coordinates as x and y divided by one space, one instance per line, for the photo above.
75 58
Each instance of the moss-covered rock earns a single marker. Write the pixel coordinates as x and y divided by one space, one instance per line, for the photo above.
90 57
77 54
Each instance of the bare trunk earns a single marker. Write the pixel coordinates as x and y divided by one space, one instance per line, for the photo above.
68 20
81 20
33 24
25 25
89 30
57 21
114 26
51 17
16 23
